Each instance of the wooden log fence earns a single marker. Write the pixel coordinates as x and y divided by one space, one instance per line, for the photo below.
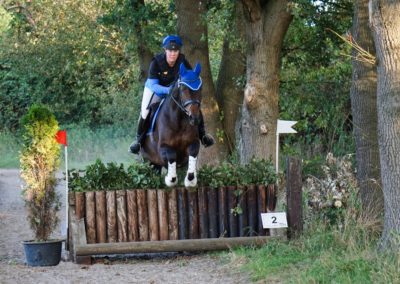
163 218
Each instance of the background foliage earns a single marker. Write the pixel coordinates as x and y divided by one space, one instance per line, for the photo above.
80 59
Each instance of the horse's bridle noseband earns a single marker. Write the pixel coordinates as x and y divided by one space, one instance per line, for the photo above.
186 103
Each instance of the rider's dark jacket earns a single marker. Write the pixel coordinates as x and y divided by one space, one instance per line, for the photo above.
161 75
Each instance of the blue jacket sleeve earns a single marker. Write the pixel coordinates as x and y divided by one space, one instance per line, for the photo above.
159 90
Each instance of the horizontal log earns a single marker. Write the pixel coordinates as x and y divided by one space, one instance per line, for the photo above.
169 245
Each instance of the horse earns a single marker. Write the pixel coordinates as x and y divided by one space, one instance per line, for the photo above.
174 139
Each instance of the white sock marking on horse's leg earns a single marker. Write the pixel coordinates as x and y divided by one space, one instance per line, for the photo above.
171 174
191 170
192 164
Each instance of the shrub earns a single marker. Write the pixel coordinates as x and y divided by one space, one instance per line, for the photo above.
39 160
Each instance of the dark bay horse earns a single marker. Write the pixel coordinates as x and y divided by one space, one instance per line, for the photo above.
174 140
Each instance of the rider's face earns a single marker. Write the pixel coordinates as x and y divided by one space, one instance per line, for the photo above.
172 56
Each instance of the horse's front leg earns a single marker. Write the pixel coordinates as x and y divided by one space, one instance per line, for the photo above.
191 175
169 156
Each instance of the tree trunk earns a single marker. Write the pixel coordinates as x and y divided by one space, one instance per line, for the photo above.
266 26
193 29
232 69
385 23
144 53
365 118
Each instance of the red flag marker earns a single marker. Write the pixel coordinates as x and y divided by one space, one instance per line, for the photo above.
61 137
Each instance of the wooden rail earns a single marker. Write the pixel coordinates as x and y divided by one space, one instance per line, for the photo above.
132 221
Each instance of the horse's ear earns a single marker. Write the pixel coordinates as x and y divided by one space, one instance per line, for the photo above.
182 69
197 69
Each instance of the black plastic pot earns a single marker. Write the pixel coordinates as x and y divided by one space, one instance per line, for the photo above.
43 253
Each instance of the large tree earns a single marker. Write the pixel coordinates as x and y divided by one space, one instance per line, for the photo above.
192 27
385 24
364 112
232 70
266 25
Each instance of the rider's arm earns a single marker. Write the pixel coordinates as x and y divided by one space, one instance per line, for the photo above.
153 82
159 90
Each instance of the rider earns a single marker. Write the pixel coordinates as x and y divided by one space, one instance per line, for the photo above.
163 71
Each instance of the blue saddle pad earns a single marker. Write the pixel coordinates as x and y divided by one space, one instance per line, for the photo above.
154 117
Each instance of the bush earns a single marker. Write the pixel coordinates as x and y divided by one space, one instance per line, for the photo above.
39 160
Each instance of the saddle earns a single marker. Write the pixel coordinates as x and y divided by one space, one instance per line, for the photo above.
154 111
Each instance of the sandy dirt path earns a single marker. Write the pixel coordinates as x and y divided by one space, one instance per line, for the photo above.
166 268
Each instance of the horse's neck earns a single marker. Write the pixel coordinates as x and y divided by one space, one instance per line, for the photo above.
175 113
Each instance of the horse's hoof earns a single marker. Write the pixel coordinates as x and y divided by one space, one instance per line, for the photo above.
171 181
190 180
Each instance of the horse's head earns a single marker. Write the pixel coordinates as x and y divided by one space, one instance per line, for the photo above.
189 86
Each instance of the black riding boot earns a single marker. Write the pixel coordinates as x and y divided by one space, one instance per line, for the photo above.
141 133
206 139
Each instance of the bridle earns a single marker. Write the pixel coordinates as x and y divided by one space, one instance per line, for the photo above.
182 105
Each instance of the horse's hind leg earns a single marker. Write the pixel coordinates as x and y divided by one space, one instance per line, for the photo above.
157 168
191 175
169 156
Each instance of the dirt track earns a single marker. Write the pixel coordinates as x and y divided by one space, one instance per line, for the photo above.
171 268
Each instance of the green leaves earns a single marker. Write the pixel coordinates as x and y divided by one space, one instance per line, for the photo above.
110 176
256 172
39 160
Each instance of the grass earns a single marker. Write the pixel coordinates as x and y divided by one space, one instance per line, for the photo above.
325 254
9 147
85 145
109 144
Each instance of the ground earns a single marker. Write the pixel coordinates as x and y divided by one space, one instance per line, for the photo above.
161 268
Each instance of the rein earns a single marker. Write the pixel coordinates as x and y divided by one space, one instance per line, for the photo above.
185 104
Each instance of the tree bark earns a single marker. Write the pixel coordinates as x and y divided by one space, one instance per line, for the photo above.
266 25
364 112
229 93
144 53
192 28
385 24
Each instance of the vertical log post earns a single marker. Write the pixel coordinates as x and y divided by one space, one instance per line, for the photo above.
112 234
193 214
271 197
80 205
233 218
142 215
222 213
294 198
172 215
162 214
243 216
122 223
212 213
182 214
133 223
90 206
261 207
101 228
153 214
252 209
203 212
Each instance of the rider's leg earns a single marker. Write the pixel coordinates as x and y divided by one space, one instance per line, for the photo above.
142 125
206 139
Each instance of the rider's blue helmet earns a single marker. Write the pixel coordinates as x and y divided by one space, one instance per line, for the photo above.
172 42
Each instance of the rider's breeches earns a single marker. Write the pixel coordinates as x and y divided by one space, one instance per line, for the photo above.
149 97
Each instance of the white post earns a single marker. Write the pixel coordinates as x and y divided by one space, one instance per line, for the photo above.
283 126
66 189
277 152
